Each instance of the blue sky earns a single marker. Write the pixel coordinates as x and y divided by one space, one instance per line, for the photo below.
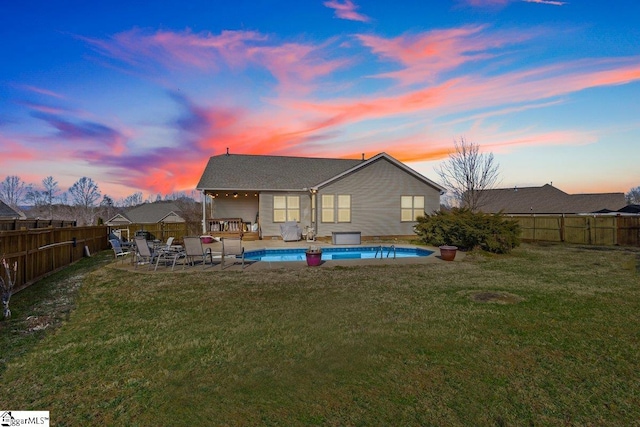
138 95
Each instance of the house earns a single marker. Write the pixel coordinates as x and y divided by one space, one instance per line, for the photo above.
148 213
547 200
379 196
7 212
630 209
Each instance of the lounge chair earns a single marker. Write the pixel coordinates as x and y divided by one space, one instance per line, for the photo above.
232 246
169 253
117 249
144 252
194 251
290 231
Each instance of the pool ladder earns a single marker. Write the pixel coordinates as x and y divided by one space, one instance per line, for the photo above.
381 250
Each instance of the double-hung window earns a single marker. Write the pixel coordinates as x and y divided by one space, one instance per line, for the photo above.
336 208
286 208
411 207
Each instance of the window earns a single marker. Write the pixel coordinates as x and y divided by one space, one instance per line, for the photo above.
327 208
286 208
344 208
411 207
336 207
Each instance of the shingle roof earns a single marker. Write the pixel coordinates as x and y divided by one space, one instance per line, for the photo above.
7 211
151 213
263 173
547 199
630 209
254 172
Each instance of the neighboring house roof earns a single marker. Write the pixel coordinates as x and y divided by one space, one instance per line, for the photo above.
148 213
282 173
7 212
630 209
547 200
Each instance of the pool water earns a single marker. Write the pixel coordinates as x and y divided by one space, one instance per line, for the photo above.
361 252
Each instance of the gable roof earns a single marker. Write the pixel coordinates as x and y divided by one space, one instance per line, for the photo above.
7 211
151 213
283 173
630 209
254 172
547 200
393 161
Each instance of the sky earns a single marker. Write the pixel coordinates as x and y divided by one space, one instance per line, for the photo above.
137 95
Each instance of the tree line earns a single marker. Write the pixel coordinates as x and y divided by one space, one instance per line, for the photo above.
83 201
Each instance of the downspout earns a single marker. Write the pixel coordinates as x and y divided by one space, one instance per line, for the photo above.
204 213
314 211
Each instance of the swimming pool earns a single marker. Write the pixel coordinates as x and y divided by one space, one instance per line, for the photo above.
360 252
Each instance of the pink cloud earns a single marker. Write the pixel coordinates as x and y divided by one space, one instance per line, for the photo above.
500 3
42 91
294 65
551 2
346 10
12 151
487 3
428 55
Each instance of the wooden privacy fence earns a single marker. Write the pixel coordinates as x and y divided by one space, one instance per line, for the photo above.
19 224
42 251
581 229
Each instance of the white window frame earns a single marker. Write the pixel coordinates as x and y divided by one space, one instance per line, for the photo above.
327 213
336 208
411 207
286 208
343 206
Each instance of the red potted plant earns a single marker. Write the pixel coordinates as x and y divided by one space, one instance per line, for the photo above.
314 256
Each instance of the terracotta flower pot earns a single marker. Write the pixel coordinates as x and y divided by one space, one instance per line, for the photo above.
314 258
448 253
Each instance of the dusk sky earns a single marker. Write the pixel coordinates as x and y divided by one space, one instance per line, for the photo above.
137 95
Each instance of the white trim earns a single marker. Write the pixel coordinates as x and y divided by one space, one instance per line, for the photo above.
395 162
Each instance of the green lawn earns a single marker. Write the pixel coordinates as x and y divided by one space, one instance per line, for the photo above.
548 335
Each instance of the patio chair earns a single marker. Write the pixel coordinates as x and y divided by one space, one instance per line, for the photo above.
144 252
117 249
169 243
169 253
232 246
290 231
195 251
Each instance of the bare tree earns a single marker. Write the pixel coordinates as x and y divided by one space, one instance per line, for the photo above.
34 196
468 173
134 199
50 192
633 196
84 193
12 190
107 205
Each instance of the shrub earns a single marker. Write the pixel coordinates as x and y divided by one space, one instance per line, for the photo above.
468 230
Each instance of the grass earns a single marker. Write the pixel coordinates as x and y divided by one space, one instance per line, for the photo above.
549 335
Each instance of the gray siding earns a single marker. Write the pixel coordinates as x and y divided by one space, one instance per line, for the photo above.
173 218
245 207
375 200
269 228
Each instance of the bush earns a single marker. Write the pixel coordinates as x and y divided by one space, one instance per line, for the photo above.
468 230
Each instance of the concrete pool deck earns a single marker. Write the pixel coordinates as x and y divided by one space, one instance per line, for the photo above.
279 244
